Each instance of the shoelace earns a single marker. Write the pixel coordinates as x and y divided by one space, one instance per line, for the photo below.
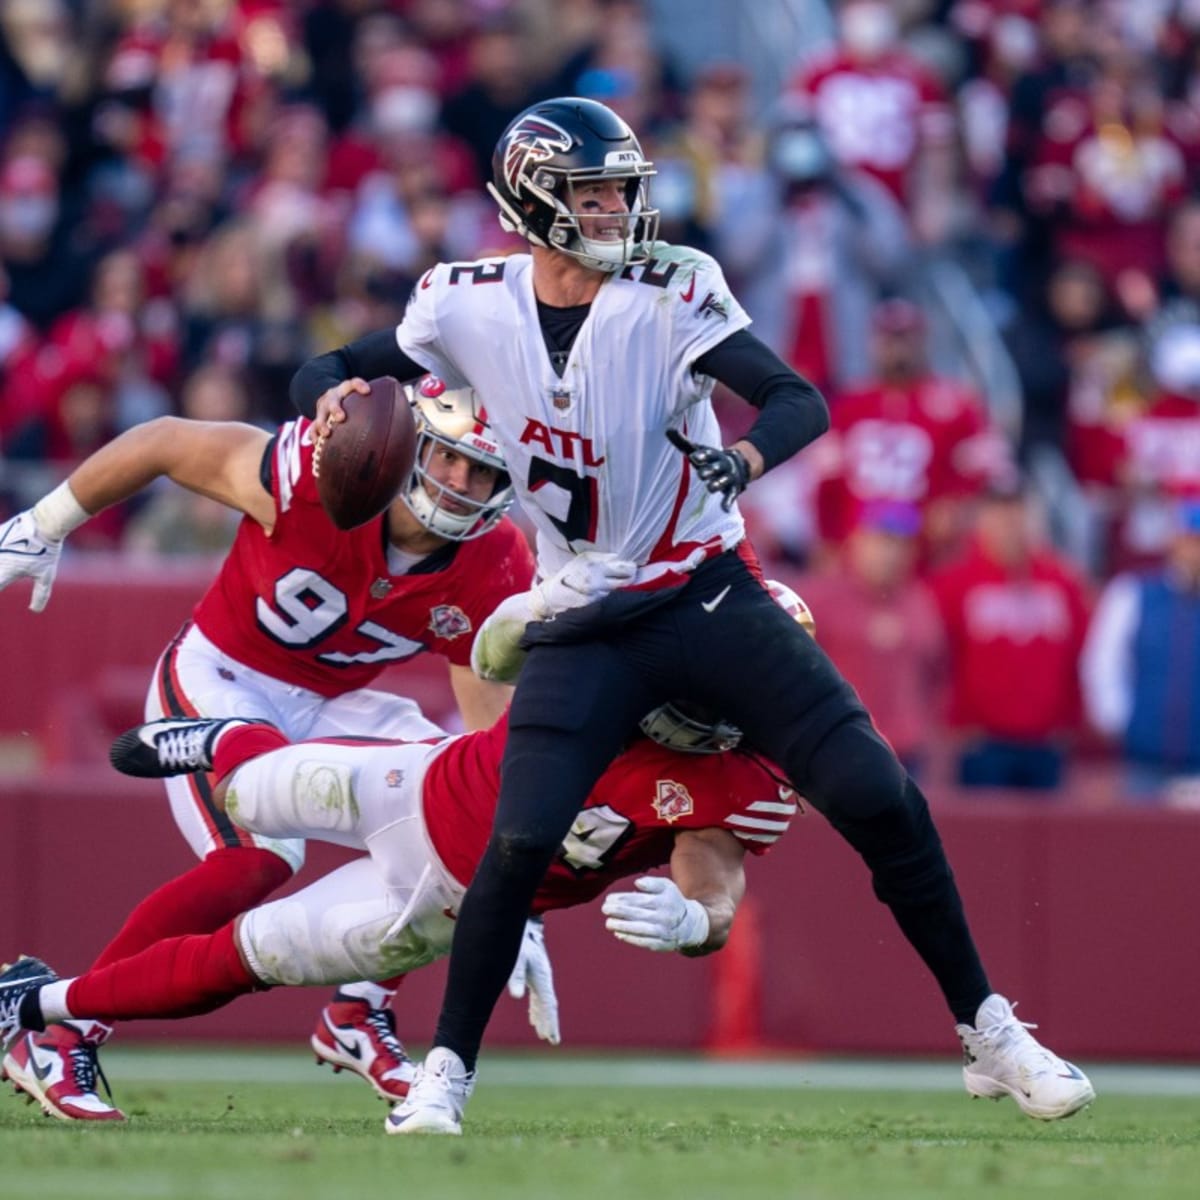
1012 1031
181 747
383 1021
86 1068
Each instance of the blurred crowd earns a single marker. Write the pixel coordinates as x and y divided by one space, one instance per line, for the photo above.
197 195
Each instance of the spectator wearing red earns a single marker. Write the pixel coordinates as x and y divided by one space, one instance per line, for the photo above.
908 436
841 242
878 106
882 627
1159 450
1015 614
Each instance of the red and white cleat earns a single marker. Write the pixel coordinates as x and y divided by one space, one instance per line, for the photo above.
58 1068
353 1036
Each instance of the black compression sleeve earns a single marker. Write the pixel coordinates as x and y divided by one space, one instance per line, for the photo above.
793 412
369 357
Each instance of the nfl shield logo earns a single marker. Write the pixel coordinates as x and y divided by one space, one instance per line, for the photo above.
380 588
394 778
449 621
672 801
561 399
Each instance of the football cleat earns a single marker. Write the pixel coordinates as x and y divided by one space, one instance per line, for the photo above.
58 1069
17 980
169 746
1001 1058
353 1036
437 1097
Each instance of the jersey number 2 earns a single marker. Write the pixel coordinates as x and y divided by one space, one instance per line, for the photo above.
572 503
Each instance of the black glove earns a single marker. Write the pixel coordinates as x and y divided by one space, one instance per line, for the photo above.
723 471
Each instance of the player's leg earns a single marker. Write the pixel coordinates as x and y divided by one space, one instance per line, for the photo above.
236 871
802 714
360 1014
574 706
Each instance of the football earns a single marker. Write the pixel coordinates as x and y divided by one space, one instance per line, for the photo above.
368 458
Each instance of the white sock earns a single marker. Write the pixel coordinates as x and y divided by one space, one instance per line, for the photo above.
375 995
52 1000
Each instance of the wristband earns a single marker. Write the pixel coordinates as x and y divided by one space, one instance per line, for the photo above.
58 512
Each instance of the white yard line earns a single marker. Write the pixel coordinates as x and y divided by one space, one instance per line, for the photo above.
197 1064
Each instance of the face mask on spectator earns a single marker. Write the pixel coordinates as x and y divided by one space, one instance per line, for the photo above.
868 29
404 109
27 218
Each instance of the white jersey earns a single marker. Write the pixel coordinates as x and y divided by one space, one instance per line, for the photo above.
587 452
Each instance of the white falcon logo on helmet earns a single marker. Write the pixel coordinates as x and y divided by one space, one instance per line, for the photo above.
533 141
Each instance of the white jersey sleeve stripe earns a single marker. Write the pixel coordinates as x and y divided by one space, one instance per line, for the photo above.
775 806
767 838
757 822
287 462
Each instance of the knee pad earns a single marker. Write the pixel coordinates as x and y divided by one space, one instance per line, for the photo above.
282 794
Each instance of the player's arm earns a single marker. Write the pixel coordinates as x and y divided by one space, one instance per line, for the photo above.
319 387
219 459
691 912
792 413
480 701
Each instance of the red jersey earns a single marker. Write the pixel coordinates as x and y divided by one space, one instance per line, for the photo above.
317 607
1014 642
876 115
914 444
629 823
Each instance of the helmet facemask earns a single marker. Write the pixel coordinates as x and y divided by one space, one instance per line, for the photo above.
452 421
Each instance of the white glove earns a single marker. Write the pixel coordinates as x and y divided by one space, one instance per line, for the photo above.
588 577
26 554
657 916
533 970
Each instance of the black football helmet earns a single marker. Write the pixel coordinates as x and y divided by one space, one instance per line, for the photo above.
549 149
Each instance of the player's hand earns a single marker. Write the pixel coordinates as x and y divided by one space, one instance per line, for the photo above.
724 472
26 554
588 577
657 916
329 406
533 971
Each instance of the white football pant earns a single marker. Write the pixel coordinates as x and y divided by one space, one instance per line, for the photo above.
193 678
379 916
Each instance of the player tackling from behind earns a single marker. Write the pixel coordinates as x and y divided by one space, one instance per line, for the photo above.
422 813
298 623
595 355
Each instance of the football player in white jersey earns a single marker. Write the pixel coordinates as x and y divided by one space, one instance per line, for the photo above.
596 354
300 620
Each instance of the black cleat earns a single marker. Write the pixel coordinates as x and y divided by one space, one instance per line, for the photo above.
17 980
169 746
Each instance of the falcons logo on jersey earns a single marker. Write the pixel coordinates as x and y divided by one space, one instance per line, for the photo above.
533 141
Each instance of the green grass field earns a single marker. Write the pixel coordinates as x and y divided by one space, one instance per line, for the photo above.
262 1125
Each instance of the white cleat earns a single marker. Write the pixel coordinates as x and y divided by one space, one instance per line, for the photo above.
1001 1058
436 1098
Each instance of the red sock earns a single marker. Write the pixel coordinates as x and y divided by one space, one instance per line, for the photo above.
228 882
177 977
242 743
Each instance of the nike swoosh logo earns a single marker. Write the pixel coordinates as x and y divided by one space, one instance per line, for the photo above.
40 1069
426 279
711 605
351 1049
22 548
686 297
